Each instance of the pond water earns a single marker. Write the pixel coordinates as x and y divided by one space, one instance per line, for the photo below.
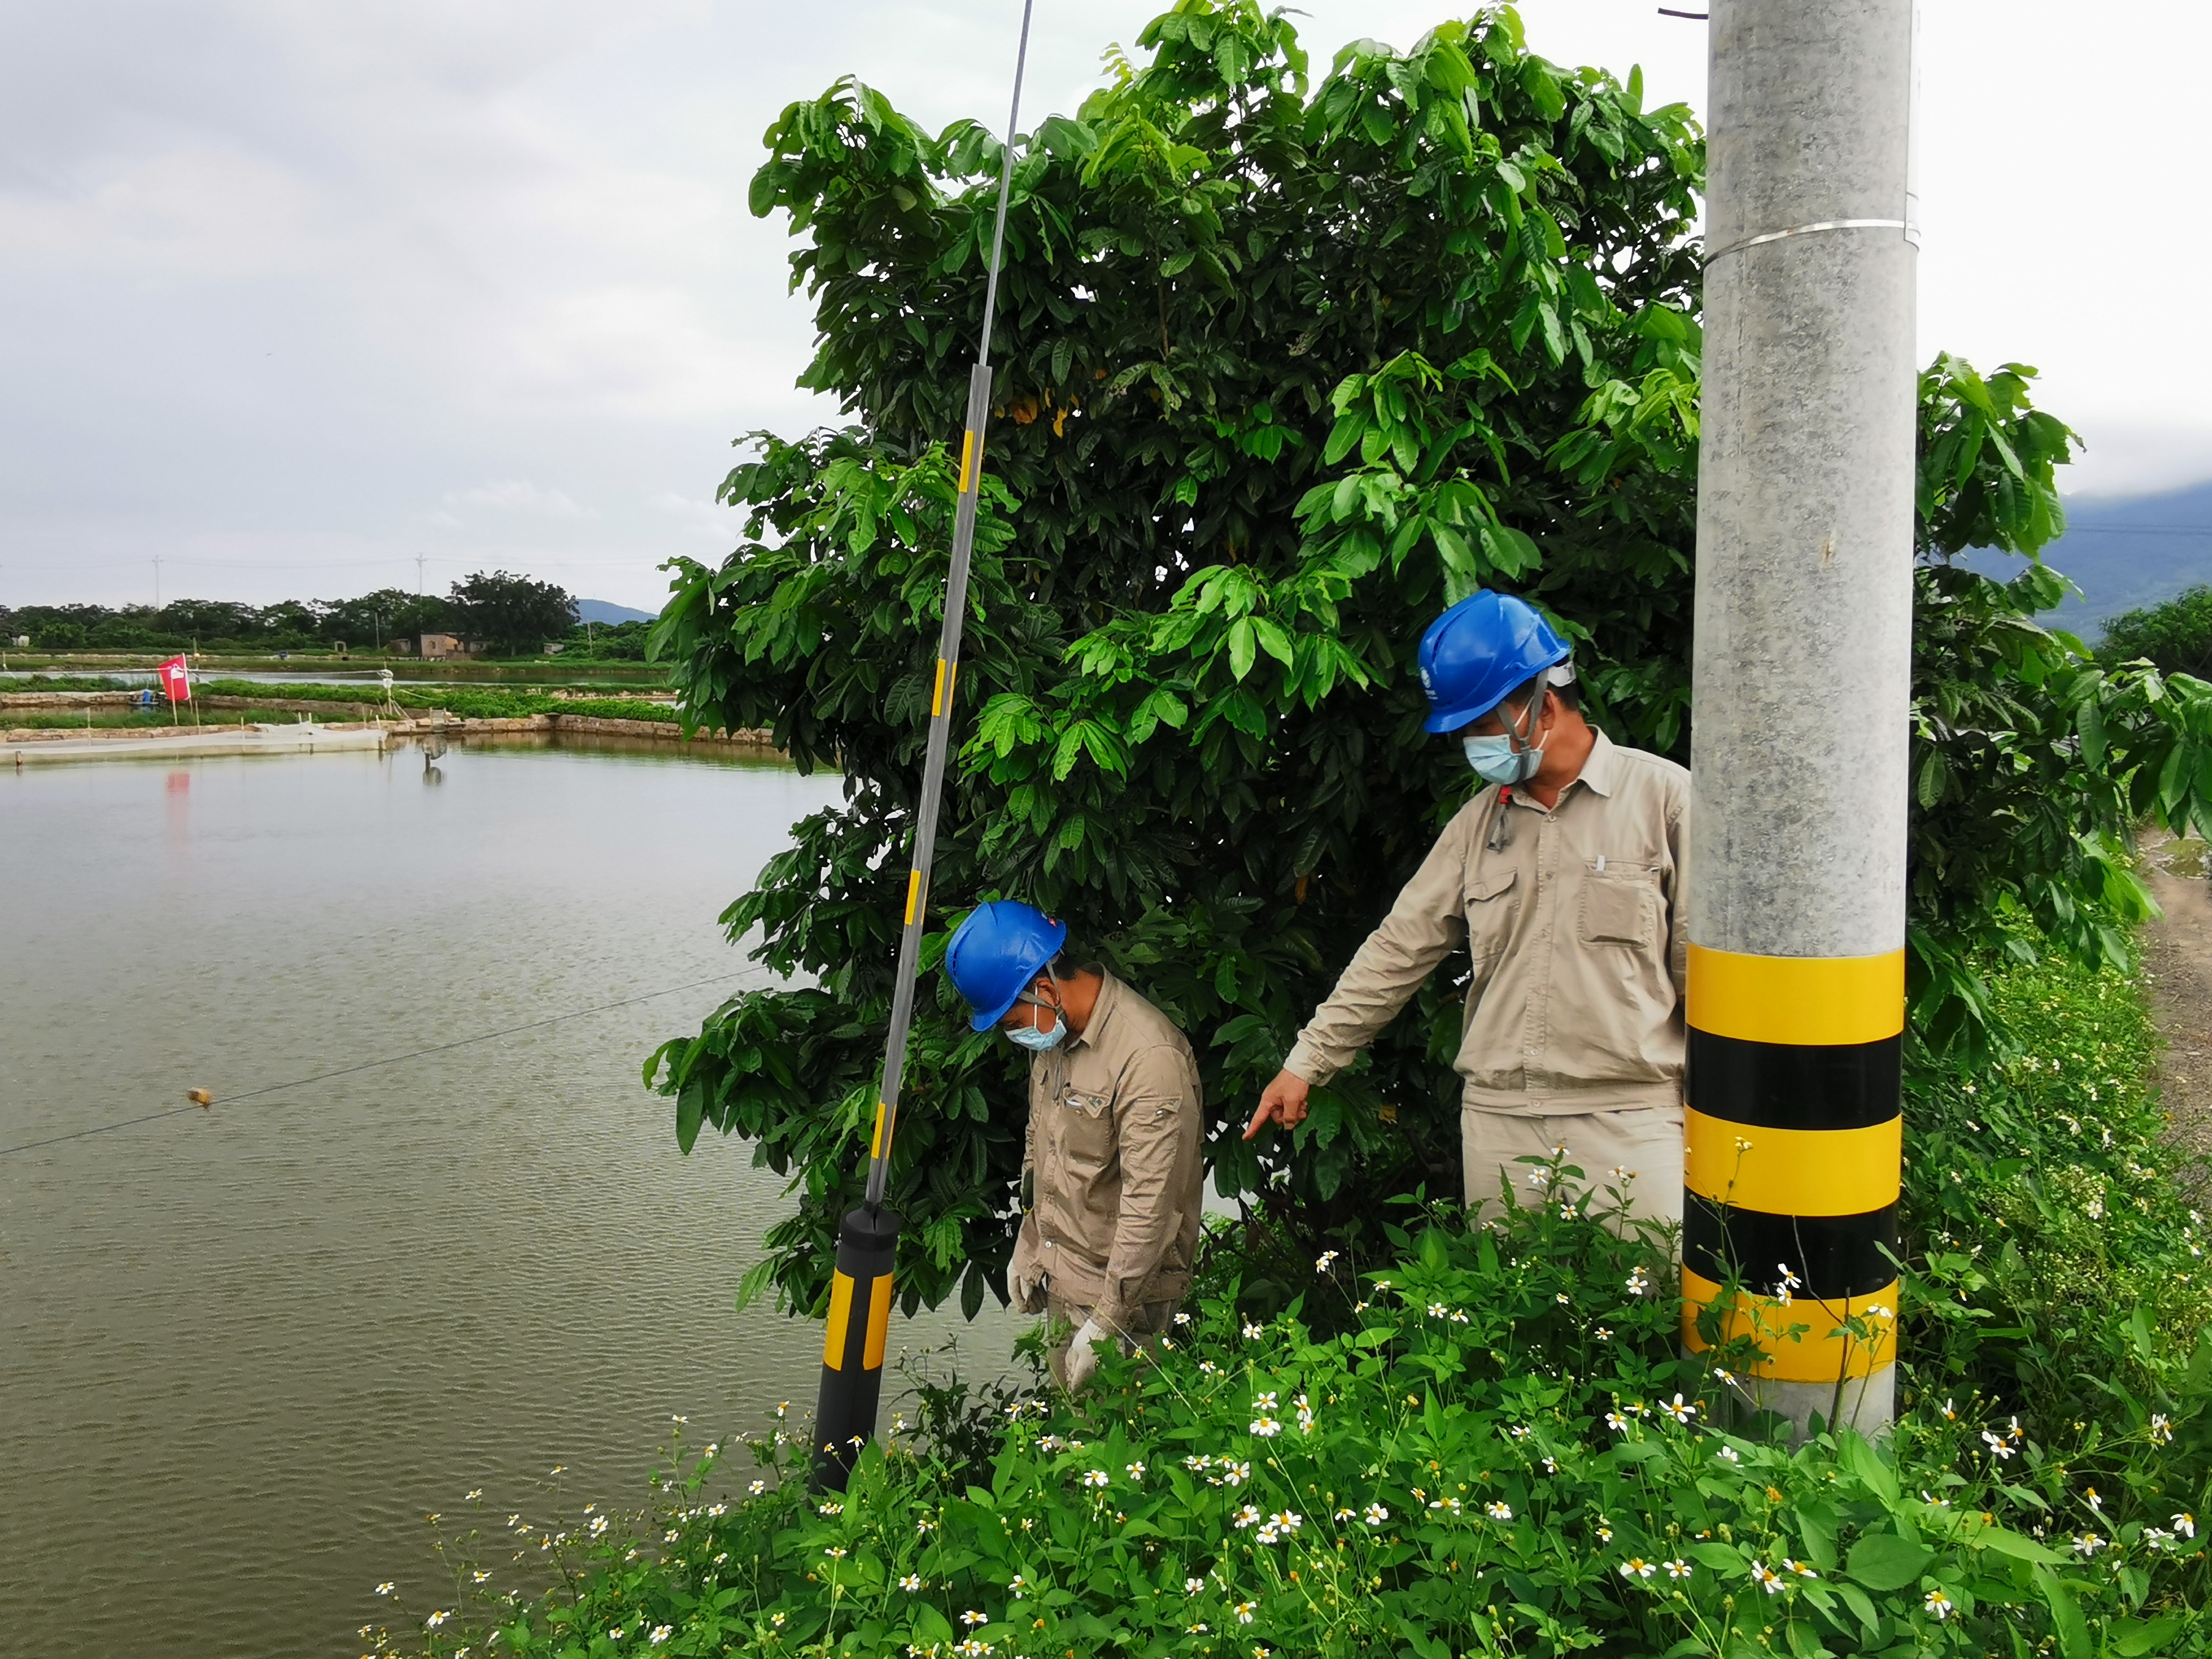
243 1352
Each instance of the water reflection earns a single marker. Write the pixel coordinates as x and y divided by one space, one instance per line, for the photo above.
243 1351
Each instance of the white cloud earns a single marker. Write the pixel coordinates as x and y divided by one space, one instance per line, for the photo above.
276 275
710 520
519 495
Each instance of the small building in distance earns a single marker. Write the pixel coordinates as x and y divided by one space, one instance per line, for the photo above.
432 646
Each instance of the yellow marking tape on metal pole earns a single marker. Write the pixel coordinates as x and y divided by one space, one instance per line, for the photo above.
941 698
1792 1171
879 1324
913 894
1804 1000
968 461
841 1314
1818 1352
875 1140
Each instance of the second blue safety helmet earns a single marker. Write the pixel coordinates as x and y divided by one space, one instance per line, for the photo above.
1483 648
998 952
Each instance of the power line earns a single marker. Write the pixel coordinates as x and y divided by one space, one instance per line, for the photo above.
369 1065
2139 530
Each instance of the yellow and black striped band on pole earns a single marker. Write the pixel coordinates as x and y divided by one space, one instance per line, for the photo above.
1805 1341
1793 1136
852 1345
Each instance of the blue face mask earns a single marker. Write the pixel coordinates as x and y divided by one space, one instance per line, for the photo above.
1495 759
1036 1041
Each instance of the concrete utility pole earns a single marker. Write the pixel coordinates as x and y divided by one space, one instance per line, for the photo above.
1803 672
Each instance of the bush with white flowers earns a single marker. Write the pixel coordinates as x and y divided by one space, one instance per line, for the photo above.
1500 1447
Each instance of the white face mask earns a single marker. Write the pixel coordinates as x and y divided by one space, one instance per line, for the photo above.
1502 759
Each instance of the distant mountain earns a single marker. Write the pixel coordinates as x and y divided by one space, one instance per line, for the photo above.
2124 552
599 611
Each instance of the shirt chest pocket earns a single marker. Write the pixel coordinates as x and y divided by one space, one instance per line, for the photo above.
1620 907
1086 1130
1492 901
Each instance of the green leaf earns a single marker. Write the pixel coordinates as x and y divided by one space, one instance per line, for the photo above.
1883 1561
2067 1623
690 1107
1869 1465
1855 1600
1819 1536
1242 640
2016 1544
1719 1557
2133 1638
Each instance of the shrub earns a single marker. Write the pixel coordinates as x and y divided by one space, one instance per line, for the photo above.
2176 636
1282 369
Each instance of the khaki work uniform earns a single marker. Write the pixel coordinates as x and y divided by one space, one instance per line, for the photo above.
1578 928
1116 1117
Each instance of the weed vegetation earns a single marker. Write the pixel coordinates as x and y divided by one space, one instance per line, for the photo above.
1489 1440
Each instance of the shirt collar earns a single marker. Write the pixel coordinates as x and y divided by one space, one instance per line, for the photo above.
1101 1011
1601 770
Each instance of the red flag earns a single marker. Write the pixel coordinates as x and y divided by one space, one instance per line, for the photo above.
175 681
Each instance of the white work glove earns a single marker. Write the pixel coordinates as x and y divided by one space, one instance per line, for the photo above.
1027 1291
1082 1359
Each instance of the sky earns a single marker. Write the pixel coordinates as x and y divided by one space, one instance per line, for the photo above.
302 300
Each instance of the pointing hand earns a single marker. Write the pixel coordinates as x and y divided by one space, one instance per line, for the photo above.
1283 1101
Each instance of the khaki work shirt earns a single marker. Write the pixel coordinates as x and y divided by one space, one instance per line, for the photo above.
1114 1120
1579 932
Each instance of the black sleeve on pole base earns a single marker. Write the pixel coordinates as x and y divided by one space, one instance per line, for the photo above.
852 1347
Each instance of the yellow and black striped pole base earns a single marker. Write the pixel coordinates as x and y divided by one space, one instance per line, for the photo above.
1792 1142
852 1347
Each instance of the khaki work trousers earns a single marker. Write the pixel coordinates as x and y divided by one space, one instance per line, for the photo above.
1644 1141
1063 1319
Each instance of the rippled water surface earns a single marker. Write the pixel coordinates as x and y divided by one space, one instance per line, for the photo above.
243 1352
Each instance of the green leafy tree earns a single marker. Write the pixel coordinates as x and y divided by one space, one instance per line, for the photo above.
2030 762
2175 637
1283 367
385 614
517 614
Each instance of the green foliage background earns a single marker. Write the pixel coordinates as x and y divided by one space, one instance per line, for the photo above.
1285 364
2176 637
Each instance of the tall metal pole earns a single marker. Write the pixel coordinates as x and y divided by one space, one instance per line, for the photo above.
1803 669
867 1242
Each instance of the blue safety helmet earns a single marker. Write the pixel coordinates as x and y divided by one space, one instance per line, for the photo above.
998 952
1480 650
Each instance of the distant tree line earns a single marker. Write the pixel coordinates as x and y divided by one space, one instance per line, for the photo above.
513 615
2176 635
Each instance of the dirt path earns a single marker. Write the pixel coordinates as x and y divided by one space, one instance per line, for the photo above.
2178 964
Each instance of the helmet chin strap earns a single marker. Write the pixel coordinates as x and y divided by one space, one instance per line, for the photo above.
1501 821
1059 1005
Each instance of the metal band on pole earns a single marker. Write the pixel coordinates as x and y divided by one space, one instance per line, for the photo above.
860 1289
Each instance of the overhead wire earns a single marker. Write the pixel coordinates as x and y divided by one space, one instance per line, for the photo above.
370 1065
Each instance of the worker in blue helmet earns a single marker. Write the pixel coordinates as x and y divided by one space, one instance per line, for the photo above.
1111 1172
1563 880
